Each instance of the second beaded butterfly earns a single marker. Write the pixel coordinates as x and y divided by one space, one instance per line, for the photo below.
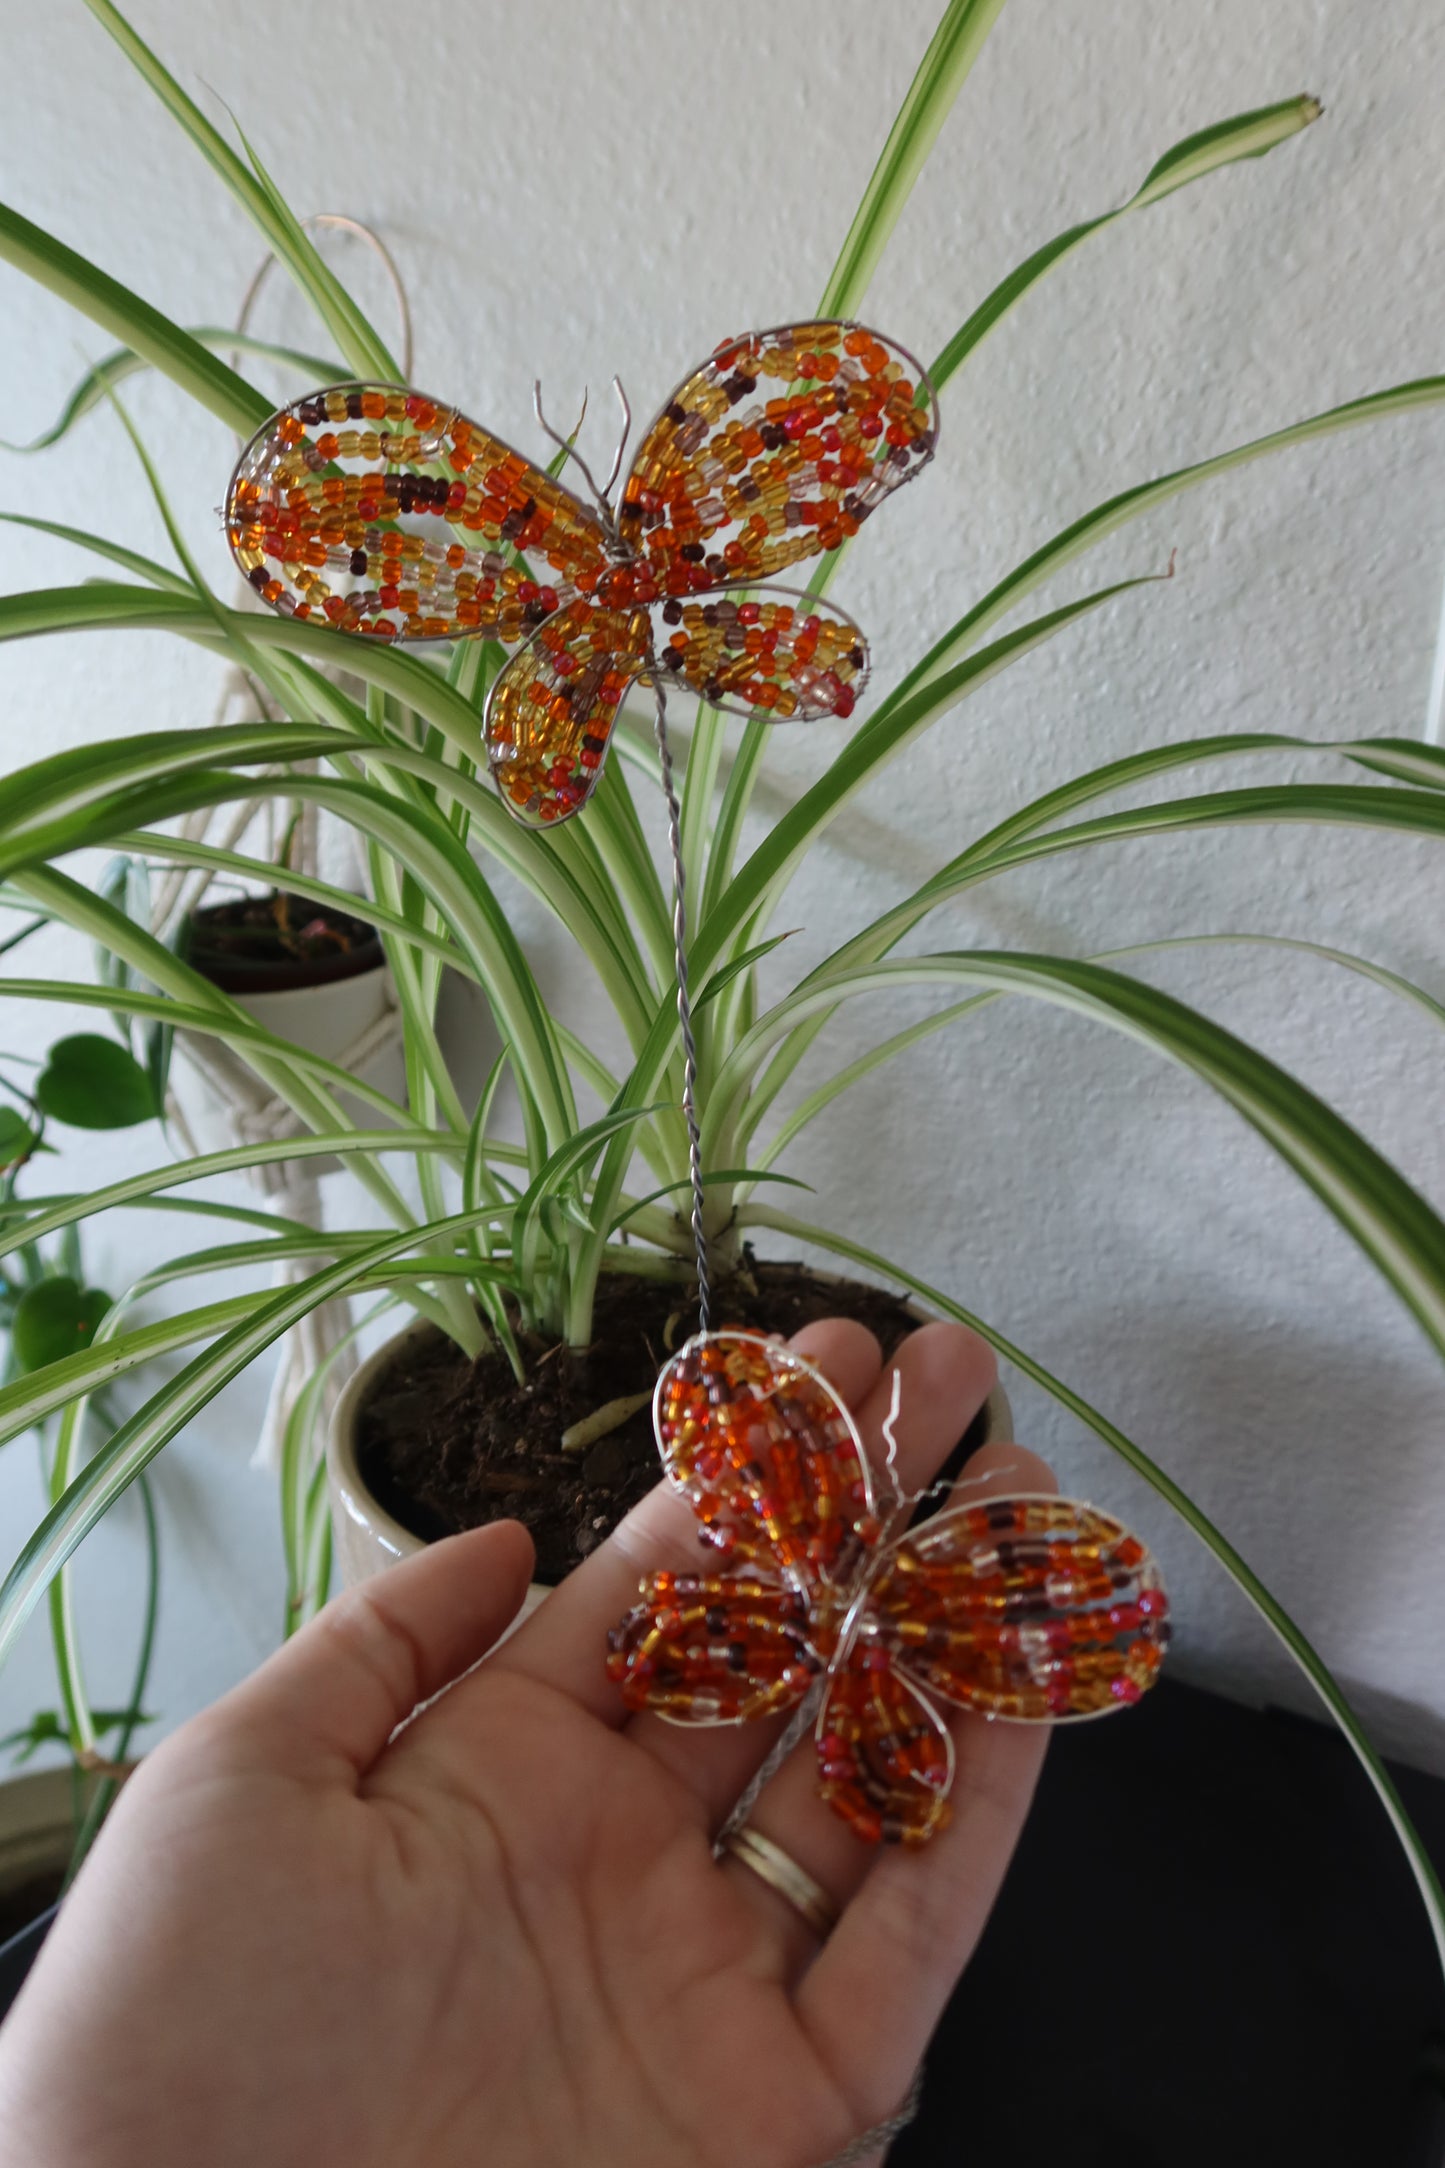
380 512
1029 1607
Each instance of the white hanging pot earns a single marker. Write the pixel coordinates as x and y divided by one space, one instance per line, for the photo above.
342 1007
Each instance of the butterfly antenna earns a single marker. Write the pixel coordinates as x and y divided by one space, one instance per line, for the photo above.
623 402
972 1482
944 1488
931 1490
684 1008
890 1439
564 443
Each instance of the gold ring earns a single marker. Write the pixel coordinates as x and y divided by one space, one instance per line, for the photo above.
771 1864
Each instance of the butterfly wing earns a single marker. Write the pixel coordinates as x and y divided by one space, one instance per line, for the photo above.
775 450
377 510
885 1759
771 652
768 1458
713 1649
1027 1607
551 710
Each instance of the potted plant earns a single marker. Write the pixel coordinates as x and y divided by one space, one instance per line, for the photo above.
49 1314
310 969
513 1243
276 942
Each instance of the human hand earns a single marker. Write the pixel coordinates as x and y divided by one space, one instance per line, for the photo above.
500 1936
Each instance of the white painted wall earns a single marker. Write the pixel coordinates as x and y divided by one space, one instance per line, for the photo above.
573 190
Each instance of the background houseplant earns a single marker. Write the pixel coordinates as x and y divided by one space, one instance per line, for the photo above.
1399 1231
48 1311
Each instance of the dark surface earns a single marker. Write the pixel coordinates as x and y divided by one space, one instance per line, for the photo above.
19 1953
1209 1953
27 1900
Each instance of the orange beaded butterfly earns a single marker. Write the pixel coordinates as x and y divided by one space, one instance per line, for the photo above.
1028 1607
375 510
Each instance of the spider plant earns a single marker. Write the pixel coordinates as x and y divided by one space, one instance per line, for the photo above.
483 1230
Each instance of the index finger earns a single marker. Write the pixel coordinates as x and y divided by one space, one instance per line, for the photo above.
915 1917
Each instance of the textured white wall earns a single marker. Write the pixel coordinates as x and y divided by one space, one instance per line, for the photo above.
573 190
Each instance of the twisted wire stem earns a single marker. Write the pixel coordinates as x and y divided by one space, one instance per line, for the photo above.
865 2146
684 1006
867 2143
798 1723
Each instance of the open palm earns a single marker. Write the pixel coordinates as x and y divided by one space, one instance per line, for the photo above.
307 1940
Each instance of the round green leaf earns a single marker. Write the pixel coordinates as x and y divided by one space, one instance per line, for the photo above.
93 1083
17 1139
55 1318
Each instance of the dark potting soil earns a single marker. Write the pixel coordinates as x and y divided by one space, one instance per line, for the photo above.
274 942
446 1443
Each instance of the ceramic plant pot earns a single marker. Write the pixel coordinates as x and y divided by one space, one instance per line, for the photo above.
278 943
37 1836
341 1007
368 1539
224 1104
365 1536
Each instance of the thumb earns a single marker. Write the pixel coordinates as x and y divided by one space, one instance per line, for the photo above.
330 1699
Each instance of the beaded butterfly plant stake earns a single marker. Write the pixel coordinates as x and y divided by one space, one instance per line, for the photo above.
349 509
1029 1607
380 512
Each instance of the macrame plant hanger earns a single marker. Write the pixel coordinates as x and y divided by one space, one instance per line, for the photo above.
321 1343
